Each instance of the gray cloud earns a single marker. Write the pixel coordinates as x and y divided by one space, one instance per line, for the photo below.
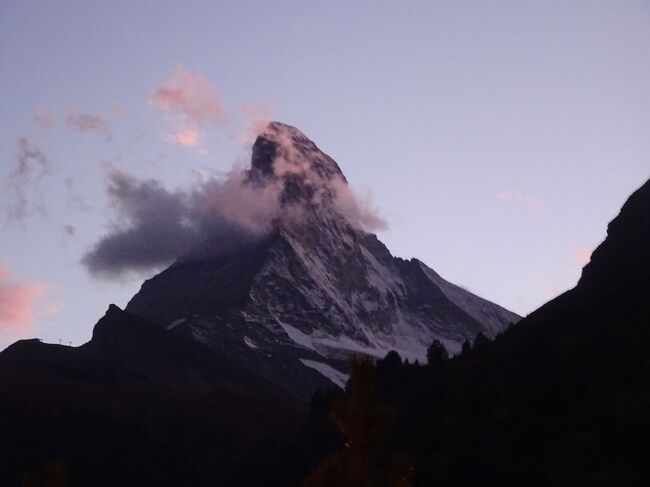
75 199
155 226
30 164
87 122
44 120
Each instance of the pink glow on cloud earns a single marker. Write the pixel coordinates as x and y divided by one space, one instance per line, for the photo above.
190 103
20 303
256 118
185 137
192 98
582 255
520 197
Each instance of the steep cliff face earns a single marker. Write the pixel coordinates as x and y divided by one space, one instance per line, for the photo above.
317 286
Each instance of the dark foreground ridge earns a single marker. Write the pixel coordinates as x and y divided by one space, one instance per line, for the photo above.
136 406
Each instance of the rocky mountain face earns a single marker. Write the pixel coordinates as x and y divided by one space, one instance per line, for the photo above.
317 287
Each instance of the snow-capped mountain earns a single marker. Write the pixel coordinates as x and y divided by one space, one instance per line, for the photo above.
314 289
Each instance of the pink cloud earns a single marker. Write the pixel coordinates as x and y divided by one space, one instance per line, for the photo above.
520 197
185 137
189 99
256 118
582 255
190 103
20 304
361 212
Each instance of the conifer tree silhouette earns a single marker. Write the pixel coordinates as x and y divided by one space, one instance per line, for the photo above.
363 423
436 353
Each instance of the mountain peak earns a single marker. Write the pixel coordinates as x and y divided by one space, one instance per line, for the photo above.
318 283
282 151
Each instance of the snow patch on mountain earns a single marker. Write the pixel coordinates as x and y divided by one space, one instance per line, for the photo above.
175 323
406 340
494 318
250 343
337 377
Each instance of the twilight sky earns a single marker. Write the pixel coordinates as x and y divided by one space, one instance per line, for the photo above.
497 139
